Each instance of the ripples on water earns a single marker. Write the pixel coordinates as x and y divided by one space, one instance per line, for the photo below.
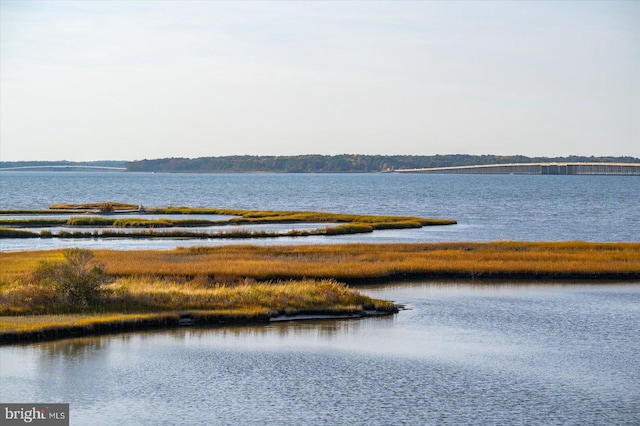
462 355
487 207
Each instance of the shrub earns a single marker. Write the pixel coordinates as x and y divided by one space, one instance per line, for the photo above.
106 208
76 281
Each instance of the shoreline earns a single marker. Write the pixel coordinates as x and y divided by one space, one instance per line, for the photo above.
209 285
93 326
495 277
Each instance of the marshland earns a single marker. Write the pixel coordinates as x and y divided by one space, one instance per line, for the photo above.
534 289
251 283
275 279
239 224
36 292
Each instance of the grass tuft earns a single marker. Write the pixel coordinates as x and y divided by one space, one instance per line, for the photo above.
17 233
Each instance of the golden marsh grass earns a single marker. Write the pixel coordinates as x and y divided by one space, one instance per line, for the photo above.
135 295
361 261
244 280
356 261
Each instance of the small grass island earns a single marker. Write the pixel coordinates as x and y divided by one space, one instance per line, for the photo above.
109 218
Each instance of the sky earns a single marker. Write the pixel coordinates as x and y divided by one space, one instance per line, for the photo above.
129 80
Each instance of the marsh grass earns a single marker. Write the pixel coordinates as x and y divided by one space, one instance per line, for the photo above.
362 262
32 223
17 233
355 262
33 312
142 223
106 207
350 228
348 223
37 323
90 221
151 294
251 283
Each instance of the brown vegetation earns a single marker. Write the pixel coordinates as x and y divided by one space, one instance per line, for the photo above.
361 262
65 293
253 283
346 223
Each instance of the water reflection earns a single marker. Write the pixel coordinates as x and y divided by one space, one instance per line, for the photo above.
464 354
90 349
74 349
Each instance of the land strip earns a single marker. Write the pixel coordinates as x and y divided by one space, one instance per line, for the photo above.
110 215
355 263
31 310
345 163
239 284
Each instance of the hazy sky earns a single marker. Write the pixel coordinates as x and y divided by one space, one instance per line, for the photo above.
95 80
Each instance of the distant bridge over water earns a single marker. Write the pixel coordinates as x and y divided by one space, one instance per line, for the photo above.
537 169
63 167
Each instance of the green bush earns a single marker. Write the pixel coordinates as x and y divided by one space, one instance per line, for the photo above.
76 281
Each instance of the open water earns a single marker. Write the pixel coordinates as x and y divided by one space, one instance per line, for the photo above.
462 353
487 207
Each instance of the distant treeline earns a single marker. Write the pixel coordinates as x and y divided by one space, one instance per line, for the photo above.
341 163
105 163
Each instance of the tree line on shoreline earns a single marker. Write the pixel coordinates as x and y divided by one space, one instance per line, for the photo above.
61 163
345 163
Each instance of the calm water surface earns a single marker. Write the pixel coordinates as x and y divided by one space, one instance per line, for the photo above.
487 207
462 354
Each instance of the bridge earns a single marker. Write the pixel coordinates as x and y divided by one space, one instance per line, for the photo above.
63 167
577 168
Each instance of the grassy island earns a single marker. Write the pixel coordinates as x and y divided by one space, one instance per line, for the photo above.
70 293
238 284
110 217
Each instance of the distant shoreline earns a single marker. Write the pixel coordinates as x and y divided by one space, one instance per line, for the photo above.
344 163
